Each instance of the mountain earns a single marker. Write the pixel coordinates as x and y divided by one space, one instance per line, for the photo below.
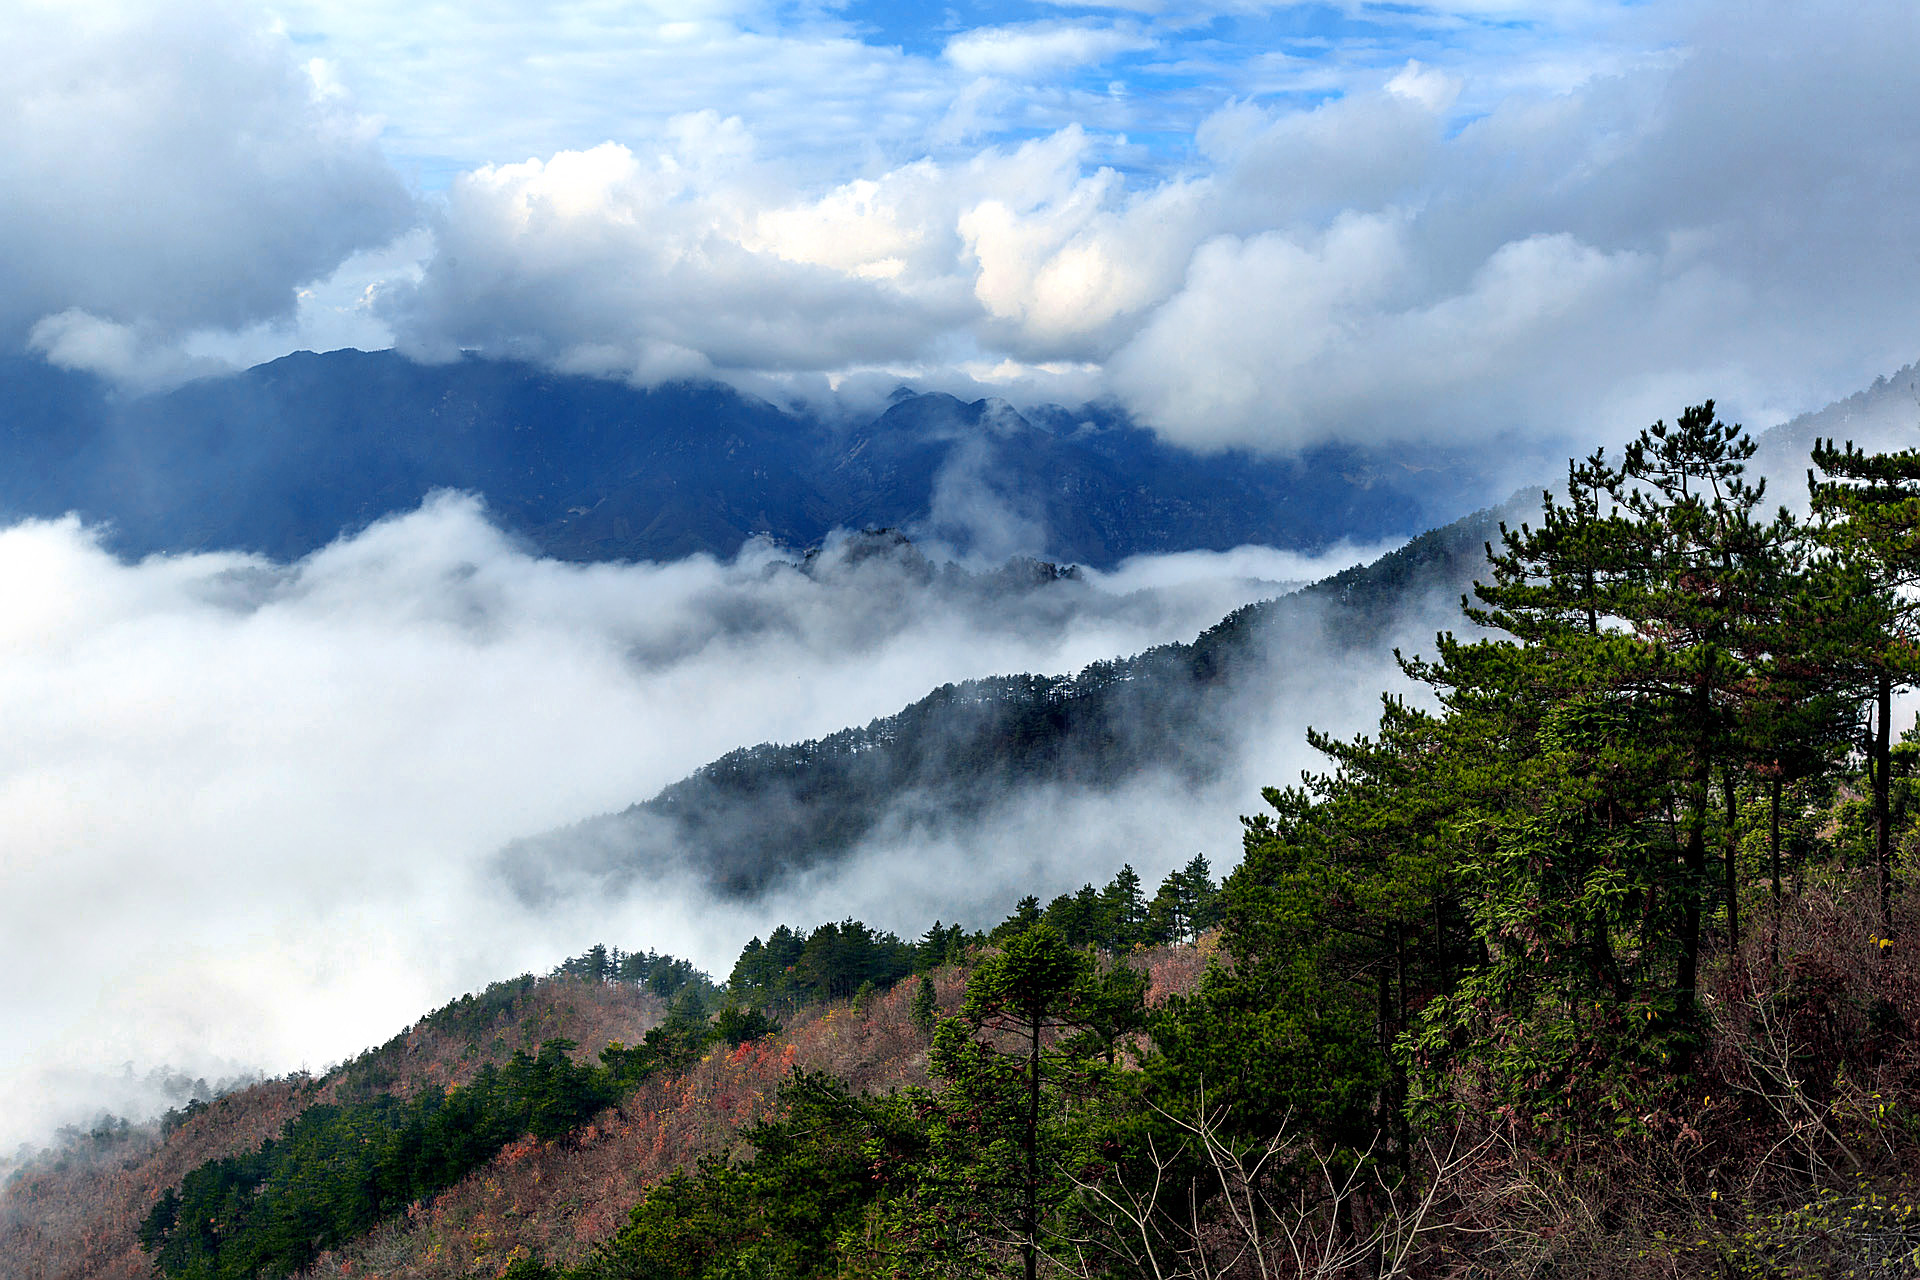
580 1127
1178 712
1883 417
75 1211
283 457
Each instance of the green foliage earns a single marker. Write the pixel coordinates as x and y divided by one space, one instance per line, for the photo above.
1657 646
663 975
736 1026
1283 1033
337 1170
1186 906
831 963
820 1173
1029 1084
474 1016
1857 1232
1503 903
924 1010
1119 917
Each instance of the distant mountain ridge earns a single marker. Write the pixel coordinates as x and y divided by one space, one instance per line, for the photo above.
759 814
284 457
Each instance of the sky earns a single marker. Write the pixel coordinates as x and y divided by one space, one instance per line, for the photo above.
1252 224
250 807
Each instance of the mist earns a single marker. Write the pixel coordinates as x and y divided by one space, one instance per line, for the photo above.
254 807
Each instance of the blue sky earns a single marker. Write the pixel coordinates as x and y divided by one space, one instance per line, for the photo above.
1148 73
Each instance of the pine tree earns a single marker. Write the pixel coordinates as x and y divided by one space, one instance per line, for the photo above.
1869 511
925 1009
1653 616
1001 1131
1126 910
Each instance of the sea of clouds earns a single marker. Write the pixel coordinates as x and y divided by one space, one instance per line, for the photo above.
251 808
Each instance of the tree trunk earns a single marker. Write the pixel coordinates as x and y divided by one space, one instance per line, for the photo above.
1382 1020
1402 1127
1773 856
1694 856
1029 1247
1733 862
1882 797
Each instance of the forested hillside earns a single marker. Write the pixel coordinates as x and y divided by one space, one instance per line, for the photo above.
76 1210
528 1117
1173 716
1176 713
1603 966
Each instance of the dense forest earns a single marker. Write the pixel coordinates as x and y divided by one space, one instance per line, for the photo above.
1597 961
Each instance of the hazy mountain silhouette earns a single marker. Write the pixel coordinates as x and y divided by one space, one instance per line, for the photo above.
282 457
1175 711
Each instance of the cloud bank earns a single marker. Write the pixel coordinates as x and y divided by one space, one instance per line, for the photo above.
167 169
255 810
1251 226
252 808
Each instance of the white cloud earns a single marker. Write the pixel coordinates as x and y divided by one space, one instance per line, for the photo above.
1433 89
1716 224
1040 48
647 266
500 81
1275 339
1624 209
1722 221
76 339
1064 262
170 167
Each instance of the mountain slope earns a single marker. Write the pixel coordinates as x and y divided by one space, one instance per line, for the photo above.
74 1212
766 812
1177 712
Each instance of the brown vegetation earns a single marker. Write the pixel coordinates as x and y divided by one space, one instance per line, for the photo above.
558 1199
1795 1151
71 1213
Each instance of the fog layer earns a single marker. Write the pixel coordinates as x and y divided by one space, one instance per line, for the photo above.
250 806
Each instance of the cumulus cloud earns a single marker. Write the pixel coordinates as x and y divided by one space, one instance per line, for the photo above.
251 806
1277 336
1568 231
168 168
1692 226
1713 217
681 263
605 261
